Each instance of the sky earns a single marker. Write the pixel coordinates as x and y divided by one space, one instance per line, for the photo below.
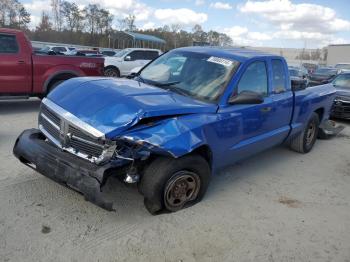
271 23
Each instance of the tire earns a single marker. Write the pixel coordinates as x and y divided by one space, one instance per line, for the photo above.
167 180
112 72
304 142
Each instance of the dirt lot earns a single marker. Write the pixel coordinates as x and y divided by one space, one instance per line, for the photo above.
277 206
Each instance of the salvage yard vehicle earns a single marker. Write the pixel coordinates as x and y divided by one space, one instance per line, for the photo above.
341 106
322 75
343 67
127 59
24 73
297 73
188 114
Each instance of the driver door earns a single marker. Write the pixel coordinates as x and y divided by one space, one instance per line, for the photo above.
245 128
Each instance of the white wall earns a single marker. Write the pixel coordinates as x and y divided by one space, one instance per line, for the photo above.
338 54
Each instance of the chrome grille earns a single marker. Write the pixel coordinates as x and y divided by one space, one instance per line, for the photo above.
51 115
67 136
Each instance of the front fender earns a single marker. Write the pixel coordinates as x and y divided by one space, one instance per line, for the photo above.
171 137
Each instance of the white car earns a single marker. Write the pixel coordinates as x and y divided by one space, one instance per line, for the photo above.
127 59
60 50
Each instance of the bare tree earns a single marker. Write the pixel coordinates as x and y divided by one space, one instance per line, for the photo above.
175 28
128 23
13 14
45 24
57 14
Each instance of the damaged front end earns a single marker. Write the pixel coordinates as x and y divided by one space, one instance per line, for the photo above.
75 154
33 149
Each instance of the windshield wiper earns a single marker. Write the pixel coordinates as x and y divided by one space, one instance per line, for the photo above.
166 84
170 87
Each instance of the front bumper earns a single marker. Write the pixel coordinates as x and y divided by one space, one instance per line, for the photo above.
67 169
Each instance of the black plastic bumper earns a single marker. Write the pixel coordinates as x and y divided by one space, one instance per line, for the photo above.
85 177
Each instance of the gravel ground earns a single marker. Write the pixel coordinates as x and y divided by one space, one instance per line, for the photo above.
276 206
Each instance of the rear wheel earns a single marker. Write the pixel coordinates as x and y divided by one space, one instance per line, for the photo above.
112 72
304 142
172 184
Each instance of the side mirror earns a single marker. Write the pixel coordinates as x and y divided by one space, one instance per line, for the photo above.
246 97
132 75
127 58
298 84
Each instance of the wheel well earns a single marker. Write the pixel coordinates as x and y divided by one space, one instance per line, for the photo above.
320 113
63 76
205 152
112 67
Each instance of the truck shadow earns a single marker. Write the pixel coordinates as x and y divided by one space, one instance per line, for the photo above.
126 198
9 107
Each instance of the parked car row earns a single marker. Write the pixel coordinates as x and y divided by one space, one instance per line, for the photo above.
73 51
338 76
118 63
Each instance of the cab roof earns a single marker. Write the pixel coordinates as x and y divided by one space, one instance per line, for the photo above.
237 54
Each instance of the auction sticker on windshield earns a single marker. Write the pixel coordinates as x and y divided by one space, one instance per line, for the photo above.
220 61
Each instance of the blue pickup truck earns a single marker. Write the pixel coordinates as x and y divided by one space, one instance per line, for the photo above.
182 118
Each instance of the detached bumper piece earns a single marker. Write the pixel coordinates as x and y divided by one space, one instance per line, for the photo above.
62 167
329 128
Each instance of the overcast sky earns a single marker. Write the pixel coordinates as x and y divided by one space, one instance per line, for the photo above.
276 23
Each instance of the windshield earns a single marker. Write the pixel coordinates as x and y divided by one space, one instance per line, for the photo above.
197 75
45 49
121 53
342 81
326 71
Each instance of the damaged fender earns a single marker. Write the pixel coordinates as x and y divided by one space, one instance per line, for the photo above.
176 136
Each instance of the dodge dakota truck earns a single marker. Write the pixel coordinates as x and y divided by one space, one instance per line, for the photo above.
24 73
184 117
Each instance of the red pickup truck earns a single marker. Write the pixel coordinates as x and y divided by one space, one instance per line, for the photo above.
26 73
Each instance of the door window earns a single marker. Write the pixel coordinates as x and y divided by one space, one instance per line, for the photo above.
59 49
8 44
254 79
278 76
150 55
138 55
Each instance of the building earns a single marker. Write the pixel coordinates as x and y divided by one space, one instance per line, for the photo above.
338 54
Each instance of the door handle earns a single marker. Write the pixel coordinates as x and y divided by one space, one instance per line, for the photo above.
20 62
265 109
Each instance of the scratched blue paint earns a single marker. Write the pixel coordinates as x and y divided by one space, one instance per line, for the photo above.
231 132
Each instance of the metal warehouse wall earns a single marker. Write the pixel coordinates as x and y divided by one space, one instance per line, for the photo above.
338 54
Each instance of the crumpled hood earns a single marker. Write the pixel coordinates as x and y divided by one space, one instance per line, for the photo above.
114 105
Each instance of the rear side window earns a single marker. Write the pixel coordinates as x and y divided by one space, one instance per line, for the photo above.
254 79
138 55
150 55
8 44
278 77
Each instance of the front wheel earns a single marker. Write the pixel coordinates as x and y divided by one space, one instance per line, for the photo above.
172 184
304 142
